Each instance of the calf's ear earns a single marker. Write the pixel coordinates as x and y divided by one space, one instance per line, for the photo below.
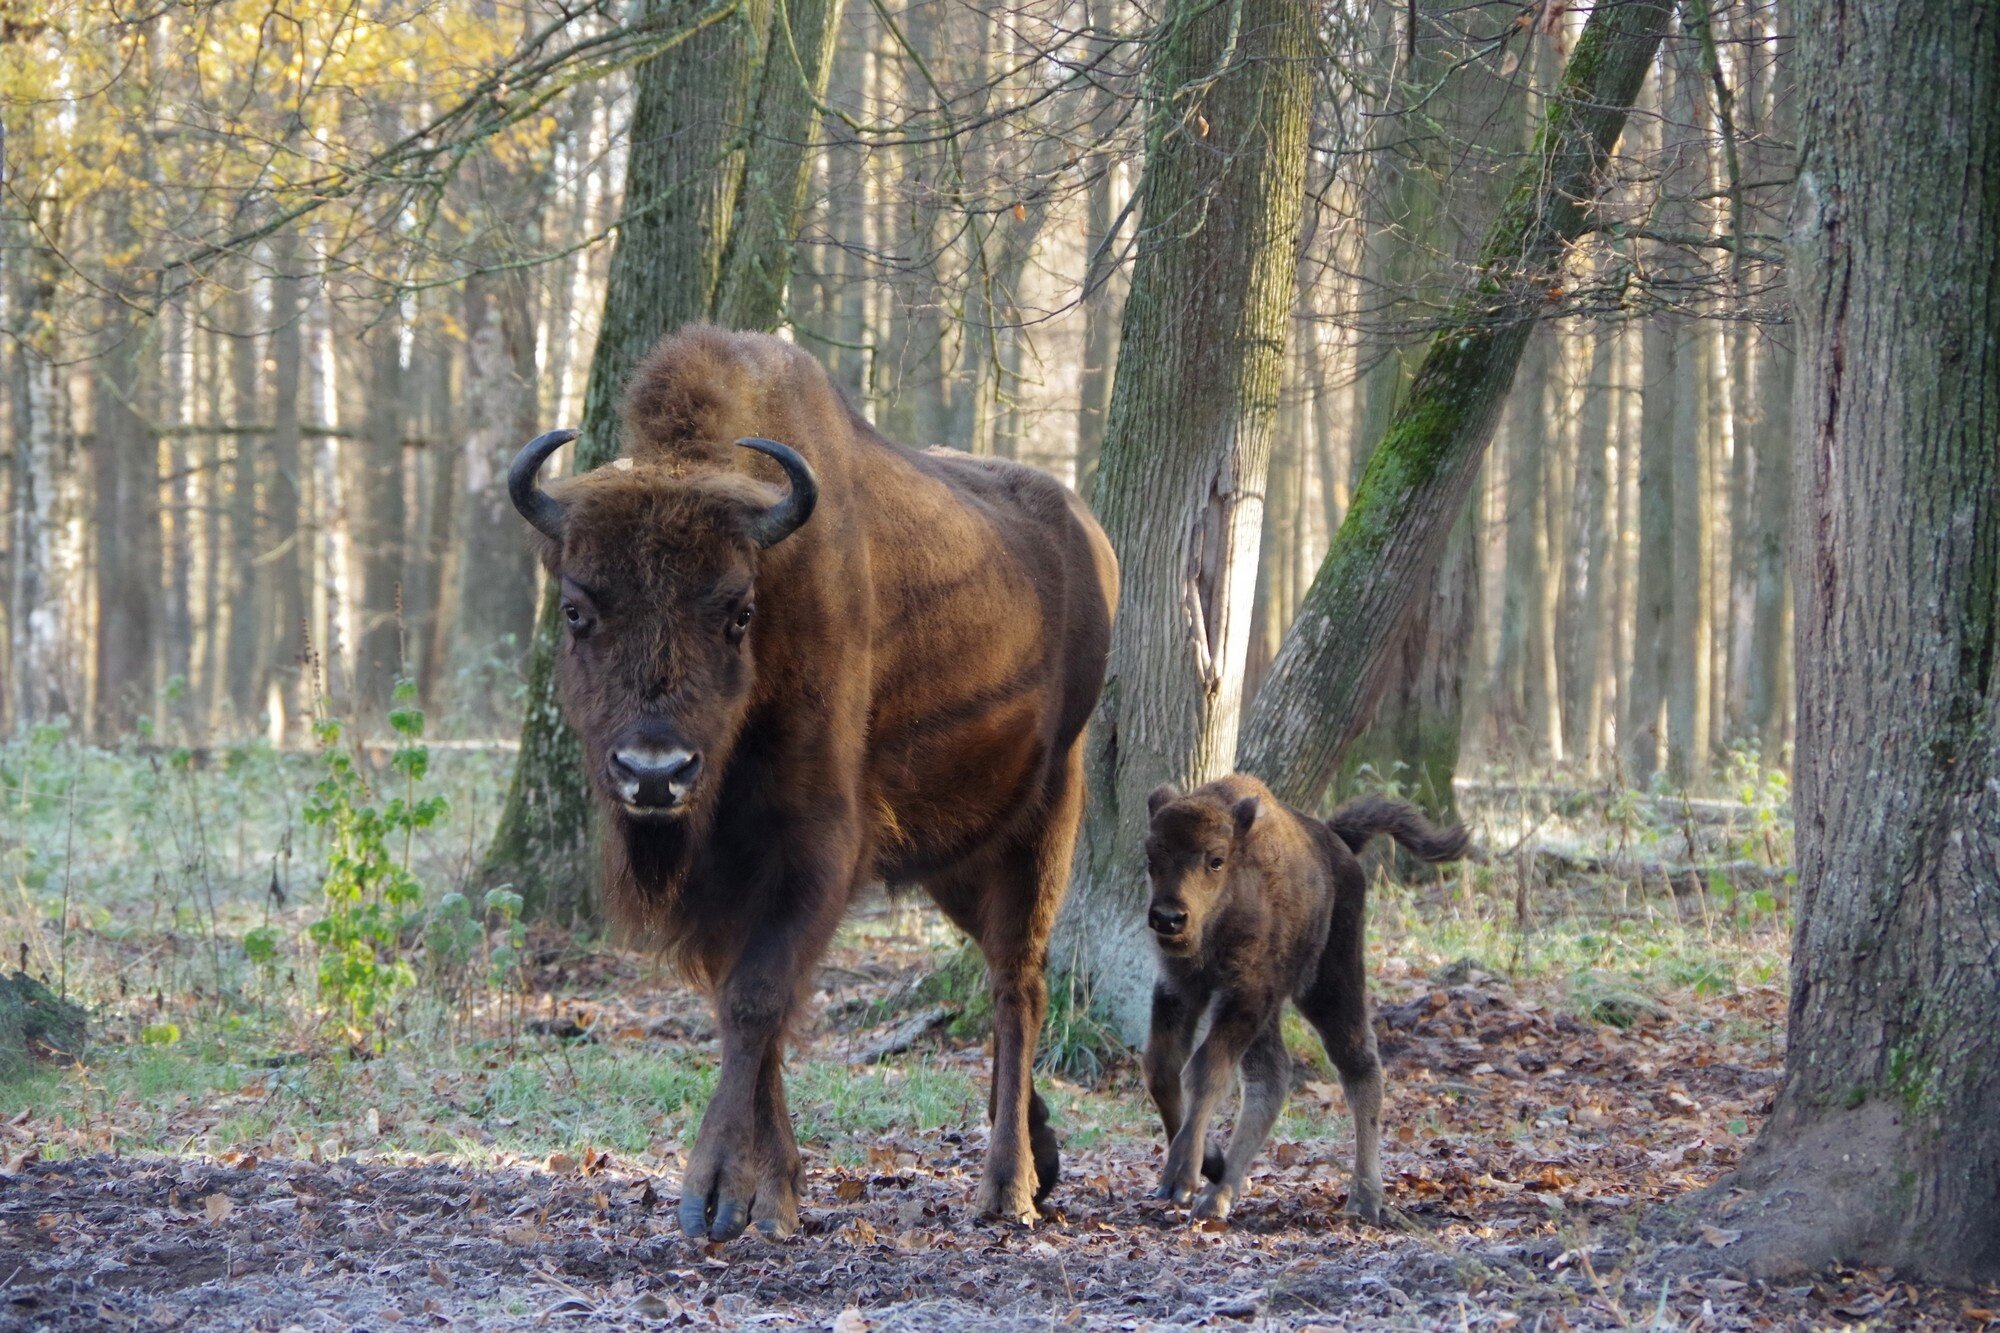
1159 796
1246 814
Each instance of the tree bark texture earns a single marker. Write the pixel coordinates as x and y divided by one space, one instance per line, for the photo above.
1340 652
1884 1146
1188 444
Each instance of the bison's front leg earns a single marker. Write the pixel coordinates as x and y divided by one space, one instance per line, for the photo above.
745 1163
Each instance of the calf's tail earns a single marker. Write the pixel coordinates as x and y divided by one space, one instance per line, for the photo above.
1364 817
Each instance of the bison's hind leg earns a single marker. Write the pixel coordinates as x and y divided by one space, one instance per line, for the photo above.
1042 1144
1007 899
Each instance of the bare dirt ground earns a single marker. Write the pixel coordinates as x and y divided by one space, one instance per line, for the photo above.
1525 1147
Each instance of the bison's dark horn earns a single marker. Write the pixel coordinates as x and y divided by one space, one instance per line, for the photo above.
537 505
787 516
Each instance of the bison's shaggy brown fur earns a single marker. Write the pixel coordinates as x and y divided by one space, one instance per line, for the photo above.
1254 902
896 691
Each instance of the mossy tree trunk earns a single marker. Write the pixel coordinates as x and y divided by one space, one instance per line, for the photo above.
1884 1147
695 177
1340 653
1181 475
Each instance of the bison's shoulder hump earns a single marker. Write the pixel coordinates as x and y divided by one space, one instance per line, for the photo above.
702 387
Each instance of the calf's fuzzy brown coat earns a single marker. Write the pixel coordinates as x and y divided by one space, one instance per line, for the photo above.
1254 902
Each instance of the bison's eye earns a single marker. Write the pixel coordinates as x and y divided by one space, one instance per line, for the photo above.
574 615
740 621
1215 863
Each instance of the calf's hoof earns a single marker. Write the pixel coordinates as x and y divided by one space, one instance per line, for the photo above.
1214 1203
1365 1203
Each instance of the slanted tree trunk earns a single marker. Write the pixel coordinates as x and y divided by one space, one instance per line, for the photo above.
1884 1147
1339 654
1468 109
1181 478
684 185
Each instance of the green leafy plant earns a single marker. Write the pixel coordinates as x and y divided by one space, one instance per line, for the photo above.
371 895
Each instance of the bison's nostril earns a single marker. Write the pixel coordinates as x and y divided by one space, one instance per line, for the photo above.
1167 920
654 778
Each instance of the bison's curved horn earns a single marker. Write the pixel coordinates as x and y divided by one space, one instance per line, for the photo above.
537 505
787 516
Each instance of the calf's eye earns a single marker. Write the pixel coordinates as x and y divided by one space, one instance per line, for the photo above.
740 622
1215 863
571 614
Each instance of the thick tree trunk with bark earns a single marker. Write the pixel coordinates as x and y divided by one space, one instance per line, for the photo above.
1885 1145
1181 480
684 193
1340 653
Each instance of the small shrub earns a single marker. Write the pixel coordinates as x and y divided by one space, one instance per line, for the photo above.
372 897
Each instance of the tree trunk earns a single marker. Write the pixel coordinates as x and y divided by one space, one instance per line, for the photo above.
241 683
796 55
1587 584
36 599
1770 704
375 521
289 559
1340 652
1181 481
684 178
1646 688
1884 1147
496 595
126 527
1688 636
1103 294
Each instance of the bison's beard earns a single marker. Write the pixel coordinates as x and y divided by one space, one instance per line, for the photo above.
646 867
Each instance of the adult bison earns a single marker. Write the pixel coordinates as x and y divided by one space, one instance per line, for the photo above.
797 670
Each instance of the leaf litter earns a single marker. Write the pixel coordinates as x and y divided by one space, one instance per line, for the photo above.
1524 1146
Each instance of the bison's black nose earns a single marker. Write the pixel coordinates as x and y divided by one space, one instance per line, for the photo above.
653 779
1167 920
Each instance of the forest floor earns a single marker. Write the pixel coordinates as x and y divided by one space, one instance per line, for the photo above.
1561 1062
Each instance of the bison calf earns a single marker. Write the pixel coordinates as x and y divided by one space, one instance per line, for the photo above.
1252 902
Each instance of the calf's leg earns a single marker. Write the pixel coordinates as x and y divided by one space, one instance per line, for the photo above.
1267 1069
1337 1004
1204 1082
1176 1016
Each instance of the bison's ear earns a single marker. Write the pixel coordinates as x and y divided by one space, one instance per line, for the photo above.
1246 814
1159 796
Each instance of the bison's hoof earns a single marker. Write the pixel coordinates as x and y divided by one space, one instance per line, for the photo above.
778 1228
1365 1203
1012 1201
1213 1204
